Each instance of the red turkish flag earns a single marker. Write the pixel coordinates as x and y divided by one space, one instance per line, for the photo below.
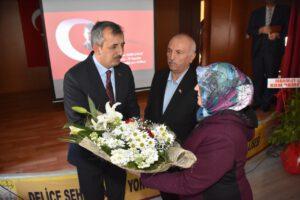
31 20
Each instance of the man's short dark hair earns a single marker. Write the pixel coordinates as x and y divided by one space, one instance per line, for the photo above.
98 28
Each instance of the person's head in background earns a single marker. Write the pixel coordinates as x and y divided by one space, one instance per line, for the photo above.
107 40
180 53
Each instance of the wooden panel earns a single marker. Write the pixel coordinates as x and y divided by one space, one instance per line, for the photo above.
166 25
237 32
189 22
219 14
206 30
227 20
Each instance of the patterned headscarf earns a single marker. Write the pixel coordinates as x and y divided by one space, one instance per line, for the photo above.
223 87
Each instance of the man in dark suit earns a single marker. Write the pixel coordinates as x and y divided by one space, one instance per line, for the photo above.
103 78
172 99
268 27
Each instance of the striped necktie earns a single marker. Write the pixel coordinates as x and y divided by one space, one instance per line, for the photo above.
109 88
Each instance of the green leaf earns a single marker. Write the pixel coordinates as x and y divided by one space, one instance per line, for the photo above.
80 110
131 165
106 149
67 139
288 130
71 139
93 110
88 123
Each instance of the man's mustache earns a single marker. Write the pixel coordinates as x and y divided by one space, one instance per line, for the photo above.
118 57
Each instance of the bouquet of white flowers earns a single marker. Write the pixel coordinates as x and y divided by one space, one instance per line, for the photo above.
133 144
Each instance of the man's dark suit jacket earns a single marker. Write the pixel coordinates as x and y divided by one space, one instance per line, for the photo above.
180 115
257 20
83 80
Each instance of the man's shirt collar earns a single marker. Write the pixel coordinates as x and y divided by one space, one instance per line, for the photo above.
179 79
101 69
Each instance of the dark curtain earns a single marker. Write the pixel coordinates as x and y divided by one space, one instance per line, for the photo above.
290 67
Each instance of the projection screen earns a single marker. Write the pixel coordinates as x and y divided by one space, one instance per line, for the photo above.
68 24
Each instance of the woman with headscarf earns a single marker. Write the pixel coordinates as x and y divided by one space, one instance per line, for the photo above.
219 141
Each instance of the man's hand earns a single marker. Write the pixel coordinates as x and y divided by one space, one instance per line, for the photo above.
264 30
273 36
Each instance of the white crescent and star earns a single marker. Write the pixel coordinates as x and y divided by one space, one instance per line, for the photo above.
34 16
63 38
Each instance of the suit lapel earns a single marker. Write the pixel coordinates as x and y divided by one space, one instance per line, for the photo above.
161 93
182 88
274 16
263 13
119 84
97 87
